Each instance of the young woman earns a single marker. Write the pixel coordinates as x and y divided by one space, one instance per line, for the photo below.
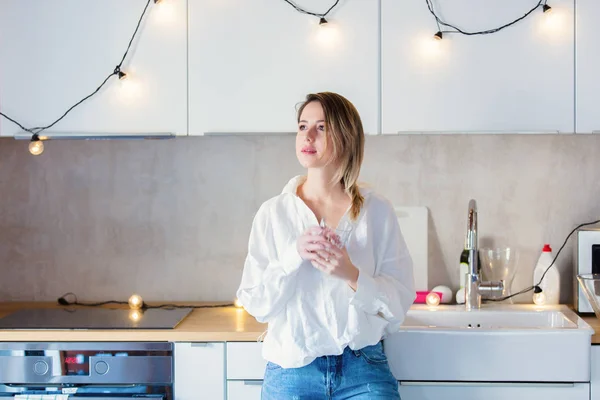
327 268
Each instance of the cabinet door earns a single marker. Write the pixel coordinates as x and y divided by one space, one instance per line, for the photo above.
586 66
519 79
251 62
245 361
55 53
199 371
244 390
493 391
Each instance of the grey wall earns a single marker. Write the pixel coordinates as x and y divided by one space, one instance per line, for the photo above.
170 219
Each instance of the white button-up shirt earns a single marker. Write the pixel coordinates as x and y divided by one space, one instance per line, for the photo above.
312 314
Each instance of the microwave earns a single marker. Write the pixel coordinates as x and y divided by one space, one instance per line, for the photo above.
587 261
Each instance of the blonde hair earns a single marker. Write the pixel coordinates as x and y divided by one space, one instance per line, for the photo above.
344 126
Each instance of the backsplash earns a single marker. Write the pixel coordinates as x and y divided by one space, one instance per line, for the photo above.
170 219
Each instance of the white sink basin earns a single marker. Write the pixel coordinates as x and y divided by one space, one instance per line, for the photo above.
489 319
506 343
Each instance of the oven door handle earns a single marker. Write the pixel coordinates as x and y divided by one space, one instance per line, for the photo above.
155 370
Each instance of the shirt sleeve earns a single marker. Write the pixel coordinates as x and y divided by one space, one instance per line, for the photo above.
269 276
390 292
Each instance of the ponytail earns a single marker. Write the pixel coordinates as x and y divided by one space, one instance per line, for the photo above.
357 201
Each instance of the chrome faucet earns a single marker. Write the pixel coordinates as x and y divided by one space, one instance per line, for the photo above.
474 286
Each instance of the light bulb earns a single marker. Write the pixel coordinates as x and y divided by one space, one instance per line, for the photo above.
539 298
432 299
122 75
438 36
238 303
135 315
36 147
322 21
547 9
328 35
135 302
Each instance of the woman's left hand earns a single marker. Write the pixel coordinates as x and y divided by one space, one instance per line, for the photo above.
336 262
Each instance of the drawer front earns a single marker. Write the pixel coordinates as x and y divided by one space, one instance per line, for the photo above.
493 391
244 390
245 361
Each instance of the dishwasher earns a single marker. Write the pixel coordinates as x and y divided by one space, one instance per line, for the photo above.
86 370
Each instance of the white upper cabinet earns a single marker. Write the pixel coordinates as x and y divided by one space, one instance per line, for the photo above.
252 62
55 53
520 79
587 62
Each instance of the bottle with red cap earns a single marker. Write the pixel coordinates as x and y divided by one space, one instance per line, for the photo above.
550 284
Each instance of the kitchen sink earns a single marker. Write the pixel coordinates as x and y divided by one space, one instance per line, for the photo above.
497 343
488 319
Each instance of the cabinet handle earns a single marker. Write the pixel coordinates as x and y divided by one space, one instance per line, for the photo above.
199 344
491 384
253 383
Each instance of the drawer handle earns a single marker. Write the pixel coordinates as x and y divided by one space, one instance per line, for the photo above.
253 383
489 384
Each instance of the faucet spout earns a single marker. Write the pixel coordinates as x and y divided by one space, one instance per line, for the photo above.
471 242
473 283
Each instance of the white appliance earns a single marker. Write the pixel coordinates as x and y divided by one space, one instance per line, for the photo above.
587 261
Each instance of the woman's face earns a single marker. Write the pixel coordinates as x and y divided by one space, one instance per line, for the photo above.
313 146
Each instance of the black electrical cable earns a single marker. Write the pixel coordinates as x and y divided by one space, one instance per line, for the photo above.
116 71
439 21
547 269
64 302
303 11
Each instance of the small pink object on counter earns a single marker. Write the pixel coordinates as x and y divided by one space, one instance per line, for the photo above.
422 296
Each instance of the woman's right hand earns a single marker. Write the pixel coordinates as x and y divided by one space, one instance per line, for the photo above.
310 242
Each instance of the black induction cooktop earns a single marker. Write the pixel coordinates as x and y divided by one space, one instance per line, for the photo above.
93 318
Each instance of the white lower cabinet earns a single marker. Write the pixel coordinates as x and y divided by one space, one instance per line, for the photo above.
245 370
235 370
595 373
244 390
199 371
245 361
493 391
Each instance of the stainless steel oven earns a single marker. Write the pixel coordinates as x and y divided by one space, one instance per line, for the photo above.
94 370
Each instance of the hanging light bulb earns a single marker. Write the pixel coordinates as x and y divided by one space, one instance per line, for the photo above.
432 299
135 302
438 35
122 75
157 1
36 146
539 297
547 9
327 34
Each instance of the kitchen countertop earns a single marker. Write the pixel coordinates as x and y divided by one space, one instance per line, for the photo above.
201 325
595 324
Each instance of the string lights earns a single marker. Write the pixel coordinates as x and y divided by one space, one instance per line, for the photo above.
445 27
36 146
135 302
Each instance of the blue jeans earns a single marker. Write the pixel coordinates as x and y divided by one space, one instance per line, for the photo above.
355 374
